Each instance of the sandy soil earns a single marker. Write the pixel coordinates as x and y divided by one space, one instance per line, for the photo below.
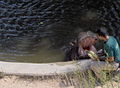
23 82
17 82
111 84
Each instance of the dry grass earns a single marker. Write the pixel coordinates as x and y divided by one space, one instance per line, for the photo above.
78 79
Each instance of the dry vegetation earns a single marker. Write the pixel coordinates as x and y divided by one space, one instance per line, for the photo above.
108 79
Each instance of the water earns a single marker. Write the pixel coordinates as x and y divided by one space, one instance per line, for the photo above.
38 30
25 49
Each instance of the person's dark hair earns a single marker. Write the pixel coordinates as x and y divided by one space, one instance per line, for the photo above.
102 32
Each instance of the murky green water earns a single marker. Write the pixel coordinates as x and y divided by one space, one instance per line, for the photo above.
25 50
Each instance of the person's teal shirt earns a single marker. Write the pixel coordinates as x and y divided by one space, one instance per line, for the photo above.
112 48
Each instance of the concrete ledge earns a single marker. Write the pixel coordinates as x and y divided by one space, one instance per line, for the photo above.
45 69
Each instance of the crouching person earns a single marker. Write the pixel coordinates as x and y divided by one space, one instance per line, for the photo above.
111 47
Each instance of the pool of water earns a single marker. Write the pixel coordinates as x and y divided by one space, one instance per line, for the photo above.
24 50
38 31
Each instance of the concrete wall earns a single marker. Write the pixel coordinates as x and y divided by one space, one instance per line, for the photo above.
44 69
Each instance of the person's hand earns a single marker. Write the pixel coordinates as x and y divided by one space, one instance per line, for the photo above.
110 59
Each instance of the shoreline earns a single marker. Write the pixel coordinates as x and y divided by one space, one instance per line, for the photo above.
30 75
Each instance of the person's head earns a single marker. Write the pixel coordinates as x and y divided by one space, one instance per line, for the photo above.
102 33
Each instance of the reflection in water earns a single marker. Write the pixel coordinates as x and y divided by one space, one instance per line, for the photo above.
24 49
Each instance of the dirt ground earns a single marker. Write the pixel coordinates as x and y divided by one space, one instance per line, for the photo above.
19 82
111 84
26 82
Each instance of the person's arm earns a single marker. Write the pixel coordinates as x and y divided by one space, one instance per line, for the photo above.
109 50
110 59
110 54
